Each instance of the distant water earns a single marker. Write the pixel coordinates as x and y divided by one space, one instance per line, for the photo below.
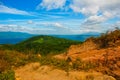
70 37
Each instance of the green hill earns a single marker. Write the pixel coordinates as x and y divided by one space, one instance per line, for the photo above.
44 45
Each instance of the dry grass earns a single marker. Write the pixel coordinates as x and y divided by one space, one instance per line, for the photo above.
34 71
13 59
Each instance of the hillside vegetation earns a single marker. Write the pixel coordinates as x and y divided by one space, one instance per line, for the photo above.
44 45
101 55
10 59
108 39
12 56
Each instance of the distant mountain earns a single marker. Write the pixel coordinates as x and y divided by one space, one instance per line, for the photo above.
13 37
81 37
16 37
92 33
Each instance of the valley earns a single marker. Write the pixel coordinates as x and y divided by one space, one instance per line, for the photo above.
48 57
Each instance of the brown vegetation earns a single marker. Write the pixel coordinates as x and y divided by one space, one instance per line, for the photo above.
35 71
102 53
81 62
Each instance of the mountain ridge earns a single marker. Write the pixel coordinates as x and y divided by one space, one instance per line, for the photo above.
16 37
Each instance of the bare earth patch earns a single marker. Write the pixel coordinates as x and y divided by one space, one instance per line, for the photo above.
34 71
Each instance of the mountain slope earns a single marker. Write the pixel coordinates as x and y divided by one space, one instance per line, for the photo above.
103 52
45 45
13 37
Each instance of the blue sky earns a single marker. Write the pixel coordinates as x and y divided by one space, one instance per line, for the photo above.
59 16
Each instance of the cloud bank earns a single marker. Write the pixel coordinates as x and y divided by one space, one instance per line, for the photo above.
96 11
66 17
5 9
52 4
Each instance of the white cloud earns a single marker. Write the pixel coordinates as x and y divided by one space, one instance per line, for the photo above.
93 7
30 22
51 25
41 28
52 4
84 7
92 20
15 28
116 25
89 8
58 25
96 11
5 9
97 19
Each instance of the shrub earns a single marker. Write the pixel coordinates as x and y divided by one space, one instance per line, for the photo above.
62 64
8 75
109 39
80 65
4 66
89 77
77 65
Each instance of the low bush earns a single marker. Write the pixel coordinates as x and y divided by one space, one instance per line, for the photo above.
80 65
3 66
7 75
61 64
9 59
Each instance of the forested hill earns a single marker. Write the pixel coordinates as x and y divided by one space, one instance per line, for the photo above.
45 45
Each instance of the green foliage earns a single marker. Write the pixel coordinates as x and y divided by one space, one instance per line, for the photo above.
77 64
10 59
61 64
24 59
44 45
65 65
88 65
80 65
8 75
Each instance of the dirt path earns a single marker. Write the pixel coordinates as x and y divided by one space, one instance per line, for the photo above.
34 71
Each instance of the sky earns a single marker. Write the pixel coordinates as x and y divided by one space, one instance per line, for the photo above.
59 16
